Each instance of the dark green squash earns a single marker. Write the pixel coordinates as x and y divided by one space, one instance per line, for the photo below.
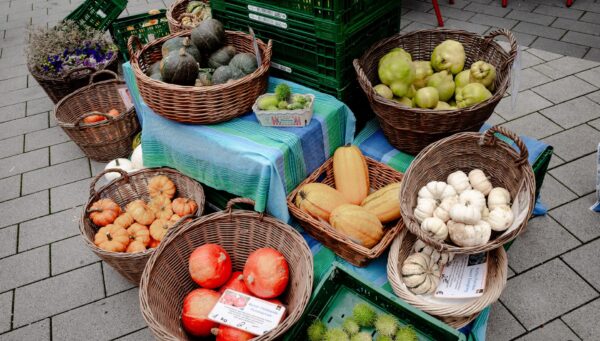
246 62
221 56
173 44
209 35
156 75
192 49
179 67
154 68
225 73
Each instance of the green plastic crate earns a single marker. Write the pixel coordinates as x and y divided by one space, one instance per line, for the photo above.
332 20
339 291
98 14
123 28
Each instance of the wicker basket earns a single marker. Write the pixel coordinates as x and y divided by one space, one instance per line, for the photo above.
380 175
166 280
504 166
174 13
58 87
129 187
412 129
402 247
206 104
458 322
102 141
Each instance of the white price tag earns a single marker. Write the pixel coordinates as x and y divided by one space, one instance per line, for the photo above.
268 12
281 67
463 277
268 21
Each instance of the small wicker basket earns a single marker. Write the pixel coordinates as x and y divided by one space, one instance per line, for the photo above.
412 129
504 166
166 280
402 247
102 141
126 188
174 13
380 175
200 104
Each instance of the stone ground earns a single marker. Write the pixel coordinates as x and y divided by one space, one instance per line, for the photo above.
53 287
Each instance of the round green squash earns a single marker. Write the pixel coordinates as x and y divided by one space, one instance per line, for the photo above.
154 68
221 56
192 49
209 35
173 44
225 73
179 67
246 62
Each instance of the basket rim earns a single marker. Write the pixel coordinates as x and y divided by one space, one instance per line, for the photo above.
493 289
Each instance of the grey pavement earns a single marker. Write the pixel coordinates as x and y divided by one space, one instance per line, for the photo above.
53 288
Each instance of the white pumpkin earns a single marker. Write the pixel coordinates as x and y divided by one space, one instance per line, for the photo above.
466 214
498 196
472 197
460 181
445 258
479 181
420 274
485 213
123 164
442 258
469 235
435 227
500 218
137 158
424 209
437 190
443 210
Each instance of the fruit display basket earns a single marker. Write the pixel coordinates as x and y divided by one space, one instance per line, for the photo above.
402 247
339 291
146 26
97 14
174 13
105 140
505 167
412 129
200 105
284 118
166 280
122 190
380 175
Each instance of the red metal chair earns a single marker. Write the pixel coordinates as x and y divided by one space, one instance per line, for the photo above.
438 13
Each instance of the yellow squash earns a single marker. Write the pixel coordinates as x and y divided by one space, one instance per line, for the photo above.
319 200
358 224
384 203
351 173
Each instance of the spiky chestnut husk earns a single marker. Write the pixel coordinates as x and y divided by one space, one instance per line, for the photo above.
336 334
384 338
386 324
362 336
406 333
316 330
350 326
364 315
283 92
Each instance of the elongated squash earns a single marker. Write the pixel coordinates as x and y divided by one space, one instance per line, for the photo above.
384 203
319 200
351 173
358 224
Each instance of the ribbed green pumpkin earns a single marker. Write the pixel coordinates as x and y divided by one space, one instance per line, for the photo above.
179 67
192 50
154 68
246 62
209 35
223 74
173 44
221 56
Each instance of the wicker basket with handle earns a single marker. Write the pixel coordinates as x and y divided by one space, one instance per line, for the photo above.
200 104
166 280
412 129
380 175
105 140
129 187
174 15
504 166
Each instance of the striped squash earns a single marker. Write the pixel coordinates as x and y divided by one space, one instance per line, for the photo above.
384 203
358 224
319 200
351 173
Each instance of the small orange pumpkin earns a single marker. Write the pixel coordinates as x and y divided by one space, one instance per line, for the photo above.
141 213
136 246
161 185
131 205
161 206
184 206
112 238
104 212
159 228
139 233
124 220
174 218
153 243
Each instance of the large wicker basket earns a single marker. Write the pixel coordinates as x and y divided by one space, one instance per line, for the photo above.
206 104
174 13
412 129
380 175
402 247
102 141
504 166
126 188
166 280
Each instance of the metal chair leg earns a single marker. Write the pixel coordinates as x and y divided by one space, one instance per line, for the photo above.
504 3
438 14
569 3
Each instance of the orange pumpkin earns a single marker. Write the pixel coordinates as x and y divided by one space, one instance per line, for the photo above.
112 238
351 173
174 218
131 205
161 185
124 220
153 243
184 206
139 233
161 206
159 228
141 213
104 212
136 246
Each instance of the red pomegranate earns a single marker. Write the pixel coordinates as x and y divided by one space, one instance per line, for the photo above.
210 266
196 307
226 333
266 273
236 282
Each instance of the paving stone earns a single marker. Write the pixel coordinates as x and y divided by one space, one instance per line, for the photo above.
594 96
529 60
554 194
39 105
591 17
11 146
455 13
70 195
467 26
11 112
69 254
530 78
13 84
10 188
495 119
13 212
25 162
545 293
555 330
574 112
558 11
561 47
106 319
511 273
582 39
586 5
13 71
494 21
591 76
424 18
56 175
23 125
521 5
535 18
65 152
545 55
564 66
533 125
21 95
578 26
527 102
414 26
5 311
39 331
584 260
44 138
113 281
564 89
418 6
595 124
524 39
584 320
555 161
502 326
8 242
578 218
49 229
487 9
575 142
539 30
578 175
24 268
85 286
141 335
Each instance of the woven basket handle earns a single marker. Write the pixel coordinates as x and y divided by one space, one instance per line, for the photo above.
92 113
67 76
488 138
230 203
123 173
512 54
363 79
107 72
133 40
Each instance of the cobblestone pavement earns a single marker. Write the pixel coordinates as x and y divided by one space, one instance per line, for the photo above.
53 287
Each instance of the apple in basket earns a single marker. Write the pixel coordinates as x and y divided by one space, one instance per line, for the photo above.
196 307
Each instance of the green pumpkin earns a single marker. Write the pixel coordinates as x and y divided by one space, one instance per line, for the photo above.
156 75
225 73
180 68
209 35
154 68
246 62
173 44
192 49
221 56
